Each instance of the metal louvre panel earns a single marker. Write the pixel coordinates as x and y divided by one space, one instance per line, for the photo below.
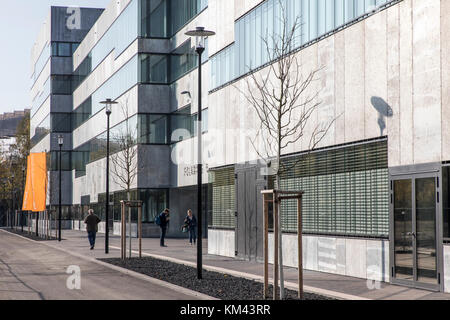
346 191
223 199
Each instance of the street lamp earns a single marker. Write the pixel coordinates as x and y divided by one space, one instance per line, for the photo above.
200 35
108 103
12 220
60 143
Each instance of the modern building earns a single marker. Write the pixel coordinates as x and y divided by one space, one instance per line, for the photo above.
51 92
376 187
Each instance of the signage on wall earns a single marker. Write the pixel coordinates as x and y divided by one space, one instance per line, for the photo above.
192 170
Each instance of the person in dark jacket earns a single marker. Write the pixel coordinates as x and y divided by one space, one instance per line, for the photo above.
191 222
164 220
92 222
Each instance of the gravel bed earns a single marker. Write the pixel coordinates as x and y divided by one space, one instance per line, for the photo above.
214 284
31 236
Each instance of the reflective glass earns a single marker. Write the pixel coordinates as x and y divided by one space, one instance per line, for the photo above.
314 17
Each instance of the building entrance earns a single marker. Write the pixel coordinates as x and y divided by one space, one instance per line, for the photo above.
415 220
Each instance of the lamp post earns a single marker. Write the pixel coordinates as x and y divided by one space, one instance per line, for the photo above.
23 193
12 198
108 103
200 35
60 143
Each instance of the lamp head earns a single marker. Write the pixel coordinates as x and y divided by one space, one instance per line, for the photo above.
108 103
60 140
200 35
187 92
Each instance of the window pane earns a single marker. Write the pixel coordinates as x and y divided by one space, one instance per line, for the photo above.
64 49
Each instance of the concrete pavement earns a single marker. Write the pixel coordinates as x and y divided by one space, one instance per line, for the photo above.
31 270
180 251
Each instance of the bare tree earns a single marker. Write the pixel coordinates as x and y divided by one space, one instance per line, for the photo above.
124 157
284 99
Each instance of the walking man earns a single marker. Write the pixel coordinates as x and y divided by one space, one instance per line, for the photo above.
162 220
92 222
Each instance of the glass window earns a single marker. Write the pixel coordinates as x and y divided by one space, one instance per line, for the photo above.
154 20
247 42
64 49
61 122
61 84
223 199
349 13
446 201
329 19
153 129
360 7
41 131
153 68
321 17
339 13
154 202
346 191
313 20
305 22
65 161
75 47
82 113
181 125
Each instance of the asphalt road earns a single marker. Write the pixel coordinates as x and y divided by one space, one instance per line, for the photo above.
34 271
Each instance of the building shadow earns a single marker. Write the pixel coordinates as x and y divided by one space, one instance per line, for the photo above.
384 111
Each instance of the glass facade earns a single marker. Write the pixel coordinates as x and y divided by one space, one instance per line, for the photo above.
182 124
164 18
41 130
153 68
123 80
61 84
223 199
64 49
153 128
314 19
154 202
41 97
41 62
346 191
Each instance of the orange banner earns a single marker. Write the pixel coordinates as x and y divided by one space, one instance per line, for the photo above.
26 206
36 185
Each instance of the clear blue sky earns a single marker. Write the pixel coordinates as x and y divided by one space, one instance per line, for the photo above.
20 22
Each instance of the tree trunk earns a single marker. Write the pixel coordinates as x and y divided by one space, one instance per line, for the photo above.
129 223
280 243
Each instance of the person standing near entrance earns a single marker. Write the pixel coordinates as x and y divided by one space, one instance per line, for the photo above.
92 222
191 223
162 220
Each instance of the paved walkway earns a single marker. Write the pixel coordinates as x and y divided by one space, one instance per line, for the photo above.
32 270
179 250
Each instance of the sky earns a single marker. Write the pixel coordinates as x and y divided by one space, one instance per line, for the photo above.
20 22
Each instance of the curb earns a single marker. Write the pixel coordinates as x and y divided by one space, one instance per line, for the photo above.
249 276
134 274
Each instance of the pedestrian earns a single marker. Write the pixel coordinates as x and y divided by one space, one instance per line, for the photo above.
92 222
162 220
191 222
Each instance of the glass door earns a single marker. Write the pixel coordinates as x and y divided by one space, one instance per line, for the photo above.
414 234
